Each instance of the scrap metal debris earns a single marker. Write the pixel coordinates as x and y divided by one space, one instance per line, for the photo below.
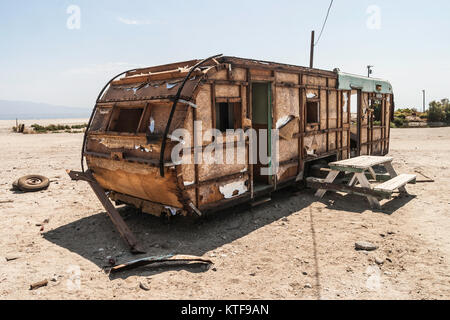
185 260
38 285
430 180
46 221
143 286
8 259
365 246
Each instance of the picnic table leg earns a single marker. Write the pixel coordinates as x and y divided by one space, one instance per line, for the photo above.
330 179
353 181
390 169
372 172
366 184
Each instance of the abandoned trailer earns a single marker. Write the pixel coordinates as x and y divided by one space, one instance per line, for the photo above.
128 143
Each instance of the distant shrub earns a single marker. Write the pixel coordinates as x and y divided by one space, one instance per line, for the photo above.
55 128
439 111
79 126
399 122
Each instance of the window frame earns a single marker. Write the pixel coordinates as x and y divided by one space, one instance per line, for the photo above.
371 104
316 101
115 114
237 111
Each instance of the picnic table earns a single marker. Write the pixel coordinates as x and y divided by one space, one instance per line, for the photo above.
359 166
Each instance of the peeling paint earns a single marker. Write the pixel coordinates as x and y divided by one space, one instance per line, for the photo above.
172 210
284 121
176 139
229 190
132 89
152 125
311 95
193 105
311 152
143 149
345 106
188 183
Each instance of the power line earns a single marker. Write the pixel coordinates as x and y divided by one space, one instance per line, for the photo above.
324 23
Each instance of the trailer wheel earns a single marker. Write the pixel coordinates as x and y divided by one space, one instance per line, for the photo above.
33 183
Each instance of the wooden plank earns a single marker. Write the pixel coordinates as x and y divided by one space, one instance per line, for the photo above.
319 132
273 107
301 125
361 163
340 135
143 117
112 212
164 75
396 183
330 179
372 172
196 161
229 100
349 121
327 126
213 105
246 63
165 67
350 189
359 120
227 82
250 116
366 184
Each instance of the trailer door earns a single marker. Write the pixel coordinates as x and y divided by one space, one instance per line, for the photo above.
262 122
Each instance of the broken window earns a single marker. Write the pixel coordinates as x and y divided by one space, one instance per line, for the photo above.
228 116
345 102
376 106
354 102
312 112
100 121
126 120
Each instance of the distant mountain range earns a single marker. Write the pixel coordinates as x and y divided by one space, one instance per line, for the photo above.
10 110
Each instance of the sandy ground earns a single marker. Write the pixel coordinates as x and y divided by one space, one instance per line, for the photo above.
294 247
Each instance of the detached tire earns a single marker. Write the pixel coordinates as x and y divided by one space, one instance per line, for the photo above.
33 183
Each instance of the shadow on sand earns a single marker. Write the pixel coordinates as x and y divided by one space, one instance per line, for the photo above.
94 237
358 204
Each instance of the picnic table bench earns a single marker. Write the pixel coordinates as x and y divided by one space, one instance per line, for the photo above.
359 166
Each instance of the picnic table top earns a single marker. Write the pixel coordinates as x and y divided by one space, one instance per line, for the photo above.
362 163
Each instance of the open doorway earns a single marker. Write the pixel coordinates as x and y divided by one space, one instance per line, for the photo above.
355 110
262 120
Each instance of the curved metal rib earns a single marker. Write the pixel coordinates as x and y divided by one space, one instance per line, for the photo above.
93 113
172 111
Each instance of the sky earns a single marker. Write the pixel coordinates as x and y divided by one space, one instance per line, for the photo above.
51 54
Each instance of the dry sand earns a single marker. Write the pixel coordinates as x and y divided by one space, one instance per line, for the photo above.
294 247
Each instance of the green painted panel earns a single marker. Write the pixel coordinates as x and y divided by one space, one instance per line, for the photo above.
349 81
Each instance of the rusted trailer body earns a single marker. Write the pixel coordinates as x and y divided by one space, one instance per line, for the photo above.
137 113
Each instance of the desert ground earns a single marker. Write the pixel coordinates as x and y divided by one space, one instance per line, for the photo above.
294 247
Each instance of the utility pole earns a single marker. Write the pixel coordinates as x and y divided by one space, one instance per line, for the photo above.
311 56
424 104
369 71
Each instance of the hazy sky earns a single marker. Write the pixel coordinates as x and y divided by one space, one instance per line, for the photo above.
43 60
